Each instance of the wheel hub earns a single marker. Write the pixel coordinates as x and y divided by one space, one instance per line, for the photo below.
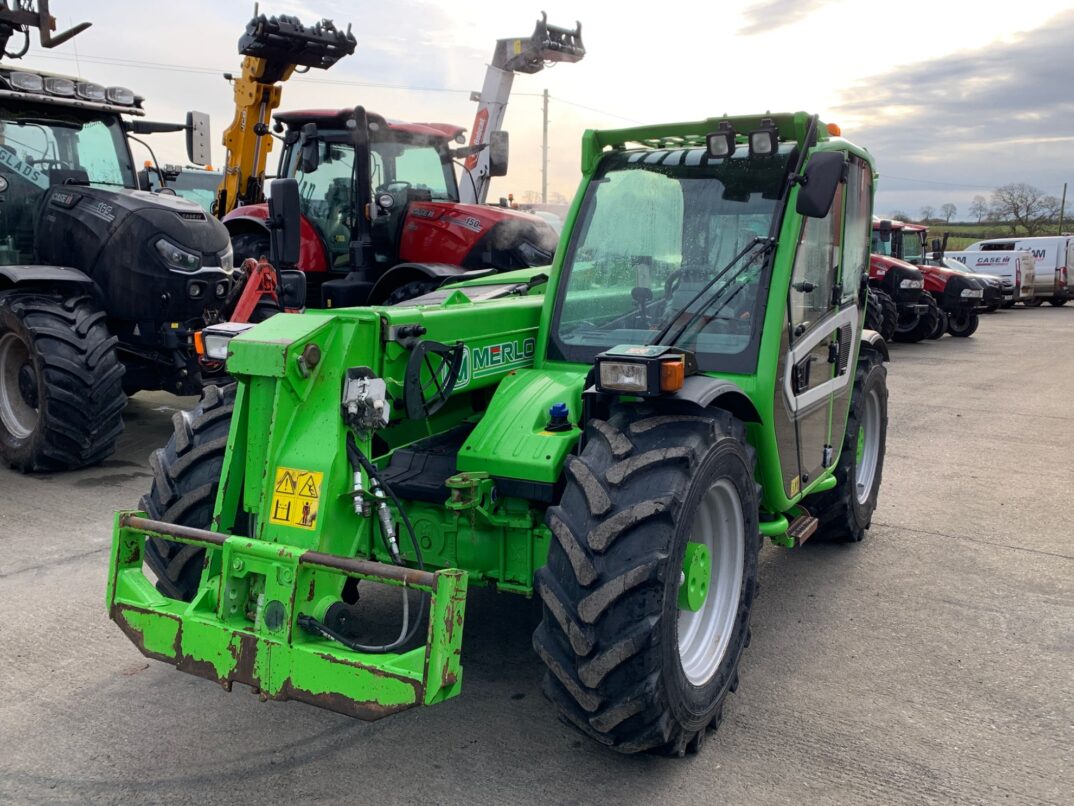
713 563
868 448
696 571
28 384
18 387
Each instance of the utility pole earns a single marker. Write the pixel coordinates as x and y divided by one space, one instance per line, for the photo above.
1062 208
544 154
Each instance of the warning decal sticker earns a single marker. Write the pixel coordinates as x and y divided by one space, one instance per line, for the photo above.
295 497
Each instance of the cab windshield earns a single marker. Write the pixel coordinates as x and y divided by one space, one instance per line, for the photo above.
655 227
35 148
396 165
40 148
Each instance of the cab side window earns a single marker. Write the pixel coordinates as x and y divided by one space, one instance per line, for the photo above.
815 266
859 217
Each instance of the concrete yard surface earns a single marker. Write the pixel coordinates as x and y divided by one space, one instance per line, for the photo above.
933 663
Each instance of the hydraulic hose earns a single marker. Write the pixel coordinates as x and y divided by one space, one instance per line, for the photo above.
409 628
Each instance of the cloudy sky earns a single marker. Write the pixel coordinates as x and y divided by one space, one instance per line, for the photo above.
953 99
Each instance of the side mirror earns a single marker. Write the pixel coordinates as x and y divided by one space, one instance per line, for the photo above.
885 230
822 177
498 149
197 138
283 222
292 289
310 157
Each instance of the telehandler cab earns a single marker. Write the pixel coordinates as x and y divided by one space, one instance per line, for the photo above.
614 434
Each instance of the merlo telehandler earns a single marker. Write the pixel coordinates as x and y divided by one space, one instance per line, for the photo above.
615 434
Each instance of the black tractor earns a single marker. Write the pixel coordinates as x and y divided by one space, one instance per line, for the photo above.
102 283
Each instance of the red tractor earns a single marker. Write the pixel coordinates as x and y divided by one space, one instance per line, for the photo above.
384 217
956 297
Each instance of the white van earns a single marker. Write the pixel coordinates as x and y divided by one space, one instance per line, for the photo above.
1055 261
1016 269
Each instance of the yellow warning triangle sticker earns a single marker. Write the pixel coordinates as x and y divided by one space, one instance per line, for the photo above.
309 488
285 482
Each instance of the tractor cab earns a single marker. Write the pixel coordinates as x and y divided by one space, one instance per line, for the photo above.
45 142
408 162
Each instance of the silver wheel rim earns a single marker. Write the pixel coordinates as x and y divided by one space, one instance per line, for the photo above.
18 416
865 469
705 634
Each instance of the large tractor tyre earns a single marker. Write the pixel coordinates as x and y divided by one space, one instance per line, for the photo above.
1036 302
411 290
846 511
941 325
891 314
650 579
914 328
186 474
963 323
249 244
61 382
874 313
1057 302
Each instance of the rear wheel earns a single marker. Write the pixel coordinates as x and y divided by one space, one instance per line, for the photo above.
963 323
61 383
846 511
408 291
186 475
650 580
941 324
1058 302
874 313
249 244
891 314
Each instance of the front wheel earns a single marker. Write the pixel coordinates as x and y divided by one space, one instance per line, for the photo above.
650 579
846 511
186 475
61 382
1057 302
1036 302
963 323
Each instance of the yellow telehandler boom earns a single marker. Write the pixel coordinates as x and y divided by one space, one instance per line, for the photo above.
273 49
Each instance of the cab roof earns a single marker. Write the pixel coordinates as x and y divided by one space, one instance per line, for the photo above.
338 117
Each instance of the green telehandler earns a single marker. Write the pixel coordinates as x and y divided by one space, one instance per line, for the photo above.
615 434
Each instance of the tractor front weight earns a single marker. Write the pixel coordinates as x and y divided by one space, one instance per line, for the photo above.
215 638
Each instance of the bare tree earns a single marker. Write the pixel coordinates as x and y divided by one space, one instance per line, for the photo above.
949 211
979 207
898 215
1025 205
927 212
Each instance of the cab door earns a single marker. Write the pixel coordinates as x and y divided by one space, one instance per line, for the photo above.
812 323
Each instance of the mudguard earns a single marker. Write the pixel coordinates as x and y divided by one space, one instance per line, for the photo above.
876 341
706 391
26 275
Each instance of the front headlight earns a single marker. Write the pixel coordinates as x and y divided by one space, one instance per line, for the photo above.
622 376
227 260
213 341
970 293
177 257
912 284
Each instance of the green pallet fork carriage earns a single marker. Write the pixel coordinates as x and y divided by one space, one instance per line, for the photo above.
614 434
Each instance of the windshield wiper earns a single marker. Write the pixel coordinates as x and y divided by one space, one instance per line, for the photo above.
659 338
